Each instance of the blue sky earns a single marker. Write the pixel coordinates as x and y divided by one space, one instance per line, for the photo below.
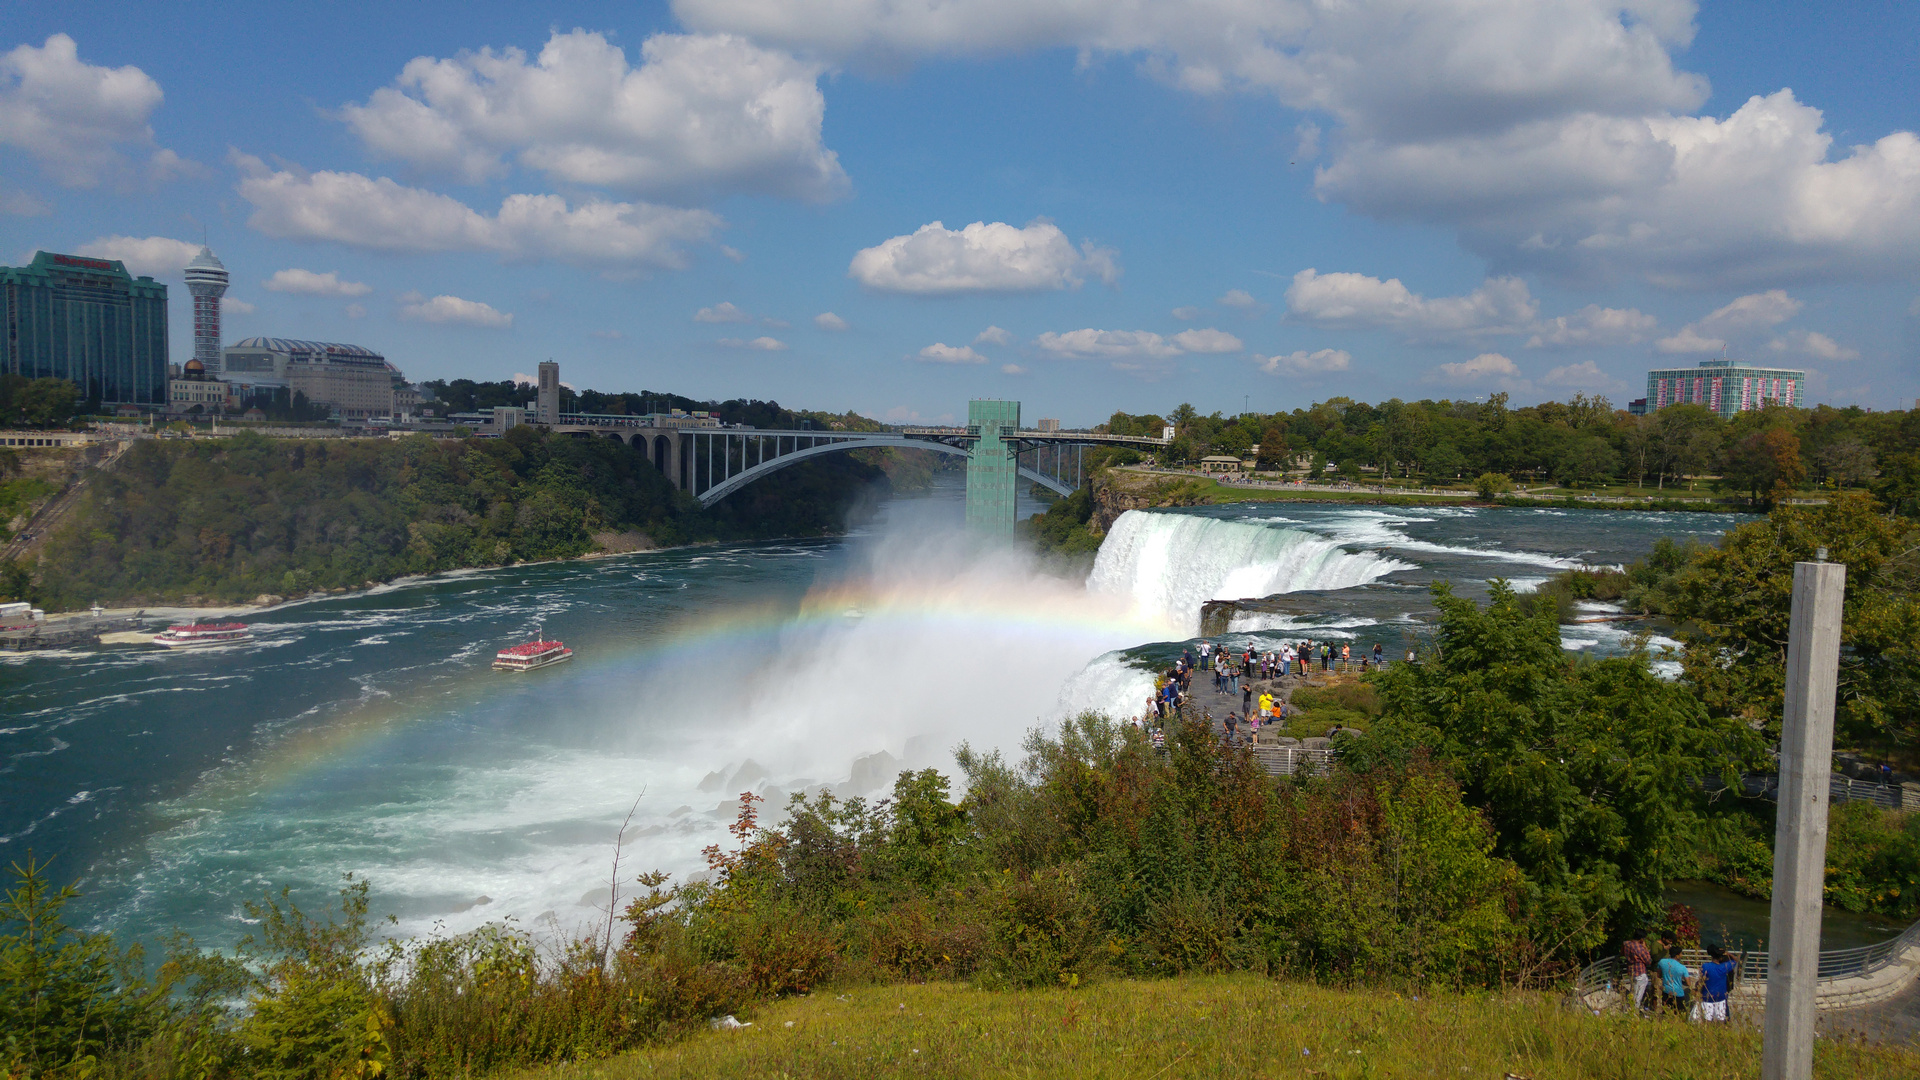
1216 201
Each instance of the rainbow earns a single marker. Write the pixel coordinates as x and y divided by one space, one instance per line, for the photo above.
1008 612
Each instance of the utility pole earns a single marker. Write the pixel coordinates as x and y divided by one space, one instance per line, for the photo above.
1800 831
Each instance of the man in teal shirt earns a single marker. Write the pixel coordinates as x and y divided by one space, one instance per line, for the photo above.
1673 981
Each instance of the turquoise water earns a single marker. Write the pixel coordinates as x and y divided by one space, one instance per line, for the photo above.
367 733
1740 922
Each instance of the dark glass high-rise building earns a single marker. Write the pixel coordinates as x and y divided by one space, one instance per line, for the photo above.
88 321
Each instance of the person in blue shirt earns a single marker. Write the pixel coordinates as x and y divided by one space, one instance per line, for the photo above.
1673 981
1716 980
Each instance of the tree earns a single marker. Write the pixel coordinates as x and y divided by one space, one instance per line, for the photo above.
1491 486
1584 460
1273 450
1686 439
1737 597
1900 483
1846 462
1586 769
1765 463
37 403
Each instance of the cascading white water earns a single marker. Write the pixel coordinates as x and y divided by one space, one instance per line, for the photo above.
1171 564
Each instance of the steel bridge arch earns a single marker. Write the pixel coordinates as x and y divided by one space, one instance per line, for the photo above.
741 479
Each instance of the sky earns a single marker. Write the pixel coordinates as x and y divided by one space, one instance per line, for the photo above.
894 206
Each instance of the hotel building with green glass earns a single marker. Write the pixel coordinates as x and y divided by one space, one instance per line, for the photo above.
1726 386
87 321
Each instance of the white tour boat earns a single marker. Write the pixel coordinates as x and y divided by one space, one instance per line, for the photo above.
532 654
198 635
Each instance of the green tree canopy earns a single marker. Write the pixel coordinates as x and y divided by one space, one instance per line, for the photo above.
1587 770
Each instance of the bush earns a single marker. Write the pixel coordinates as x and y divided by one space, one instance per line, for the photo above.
1490 486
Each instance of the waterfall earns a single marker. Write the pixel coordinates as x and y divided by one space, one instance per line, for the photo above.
1170 564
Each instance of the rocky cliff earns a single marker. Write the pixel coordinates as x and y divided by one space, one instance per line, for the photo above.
1116 491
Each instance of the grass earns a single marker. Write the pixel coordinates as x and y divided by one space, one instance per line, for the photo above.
1212 1026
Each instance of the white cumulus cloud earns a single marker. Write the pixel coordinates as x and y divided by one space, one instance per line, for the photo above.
308 283
1743 316
993 335
701 114
233 305
78 120
1357 301
762 344
983 257
1555 136
1187 313
827 320
723 312
1302 362
452 309
1585 375
941 353
1240 299
1594 325
153 256
1813 344
381 215
1135 344
1206 341
1012 369
1485 366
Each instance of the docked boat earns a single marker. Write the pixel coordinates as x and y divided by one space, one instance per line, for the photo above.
199 635
532 654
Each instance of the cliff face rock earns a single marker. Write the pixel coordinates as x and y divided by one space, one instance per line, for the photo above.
1116 491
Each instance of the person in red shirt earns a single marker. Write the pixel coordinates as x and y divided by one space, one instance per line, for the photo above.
1638 958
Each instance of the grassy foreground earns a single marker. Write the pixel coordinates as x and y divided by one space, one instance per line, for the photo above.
1224 1026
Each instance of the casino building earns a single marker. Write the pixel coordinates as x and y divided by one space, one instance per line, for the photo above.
356 382
88 321
1725 386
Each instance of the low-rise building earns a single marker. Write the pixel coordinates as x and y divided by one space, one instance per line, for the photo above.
194 391
355 382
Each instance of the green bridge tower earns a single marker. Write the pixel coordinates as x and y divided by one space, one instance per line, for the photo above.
993 466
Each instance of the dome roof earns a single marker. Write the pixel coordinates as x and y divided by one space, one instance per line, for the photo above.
206 260
195 365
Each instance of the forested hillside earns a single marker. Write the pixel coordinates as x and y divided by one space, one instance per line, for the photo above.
227 520
1583 442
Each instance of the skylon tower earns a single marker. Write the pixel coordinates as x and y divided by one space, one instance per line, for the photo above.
207 281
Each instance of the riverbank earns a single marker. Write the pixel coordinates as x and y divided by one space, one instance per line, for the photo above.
1212 489
1208 1026
195 524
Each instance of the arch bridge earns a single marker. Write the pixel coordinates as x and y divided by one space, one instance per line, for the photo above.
714 462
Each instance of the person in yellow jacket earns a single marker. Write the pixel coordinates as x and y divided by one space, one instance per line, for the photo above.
1266 705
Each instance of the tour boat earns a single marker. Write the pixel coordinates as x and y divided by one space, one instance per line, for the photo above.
196 635
531 655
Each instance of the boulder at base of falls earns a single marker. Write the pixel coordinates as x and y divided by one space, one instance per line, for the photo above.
873 772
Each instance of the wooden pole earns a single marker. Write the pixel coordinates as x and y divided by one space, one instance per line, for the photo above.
1800 831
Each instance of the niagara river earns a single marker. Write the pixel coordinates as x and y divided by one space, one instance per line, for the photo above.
366 733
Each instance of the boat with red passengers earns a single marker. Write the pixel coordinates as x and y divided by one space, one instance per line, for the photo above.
199 635
530 655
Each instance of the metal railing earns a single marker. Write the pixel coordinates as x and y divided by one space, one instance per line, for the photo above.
1839 789
1834 963
1294 760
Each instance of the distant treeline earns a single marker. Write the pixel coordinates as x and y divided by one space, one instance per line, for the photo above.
466 395
226 520
1582 442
